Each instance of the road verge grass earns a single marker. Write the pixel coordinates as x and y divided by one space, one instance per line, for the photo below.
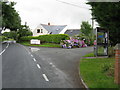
98 72
41 45
89 55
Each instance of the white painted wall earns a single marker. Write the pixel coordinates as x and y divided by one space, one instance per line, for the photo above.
40 27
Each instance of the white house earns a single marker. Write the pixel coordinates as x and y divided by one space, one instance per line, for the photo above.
44 29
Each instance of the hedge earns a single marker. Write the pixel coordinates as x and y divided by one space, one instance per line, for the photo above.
52 38
2 38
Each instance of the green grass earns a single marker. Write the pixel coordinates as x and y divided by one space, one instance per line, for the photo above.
92 73
42 45
89 55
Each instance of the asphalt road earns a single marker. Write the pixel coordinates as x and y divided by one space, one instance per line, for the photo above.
33 67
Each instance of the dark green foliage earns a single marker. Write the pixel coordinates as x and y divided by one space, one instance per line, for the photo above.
24 31
2 38
10 17
107 14
27 38
6 34
52 38
11 35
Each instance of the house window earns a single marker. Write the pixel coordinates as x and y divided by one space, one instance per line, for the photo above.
41 30
38 30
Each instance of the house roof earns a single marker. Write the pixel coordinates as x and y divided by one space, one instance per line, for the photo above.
54 29
72 32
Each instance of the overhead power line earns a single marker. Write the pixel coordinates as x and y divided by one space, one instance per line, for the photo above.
72 4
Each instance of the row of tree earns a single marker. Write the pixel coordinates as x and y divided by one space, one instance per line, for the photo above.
10 19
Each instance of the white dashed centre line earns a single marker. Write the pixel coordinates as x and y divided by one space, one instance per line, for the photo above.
45 77
34 59
38 66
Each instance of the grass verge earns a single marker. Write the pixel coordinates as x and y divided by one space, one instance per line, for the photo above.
89 55
41 45
98 72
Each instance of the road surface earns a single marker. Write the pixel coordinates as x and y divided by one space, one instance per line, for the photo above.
35 67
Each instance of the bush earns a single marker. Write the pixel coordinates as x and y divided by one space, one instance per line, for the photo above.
12 35
2 38
27 38
52 38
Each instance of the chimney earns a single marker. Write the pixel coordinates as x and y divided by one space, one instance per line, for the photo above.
48 23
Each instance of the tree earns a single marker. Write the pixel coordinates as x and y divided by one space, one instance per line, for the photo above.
10 17
6 34
24 31
108 16
86 28
11 35
16 35
87 31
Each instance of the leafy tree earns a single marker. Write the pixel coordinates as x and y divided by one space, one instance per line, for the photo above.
16 35
10 17
11 35
107 14
87 31
24 31
6 34
86 28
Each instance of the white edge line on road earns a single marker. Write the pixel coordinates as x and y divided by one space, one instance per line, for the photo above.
38 66
4 49
2 52
34 59
45 77
7 46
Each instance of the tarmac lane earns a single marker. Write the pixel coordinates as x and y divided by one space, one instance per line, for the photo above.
36 67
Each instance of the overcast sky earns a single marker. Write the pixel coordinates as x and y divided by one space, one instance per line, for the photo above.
35 12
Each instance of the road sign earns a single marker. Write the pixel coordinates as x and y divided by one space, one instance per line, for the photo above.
35 41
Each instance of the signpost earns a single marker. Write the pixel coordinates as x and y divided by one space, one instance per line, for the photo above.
35 41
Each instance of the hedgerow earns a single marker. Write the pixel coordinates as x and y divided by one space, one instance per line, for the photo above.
52 38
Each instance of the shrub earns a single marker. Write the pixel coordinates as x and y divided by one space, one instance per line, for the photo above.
2 38
27 38
52 38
